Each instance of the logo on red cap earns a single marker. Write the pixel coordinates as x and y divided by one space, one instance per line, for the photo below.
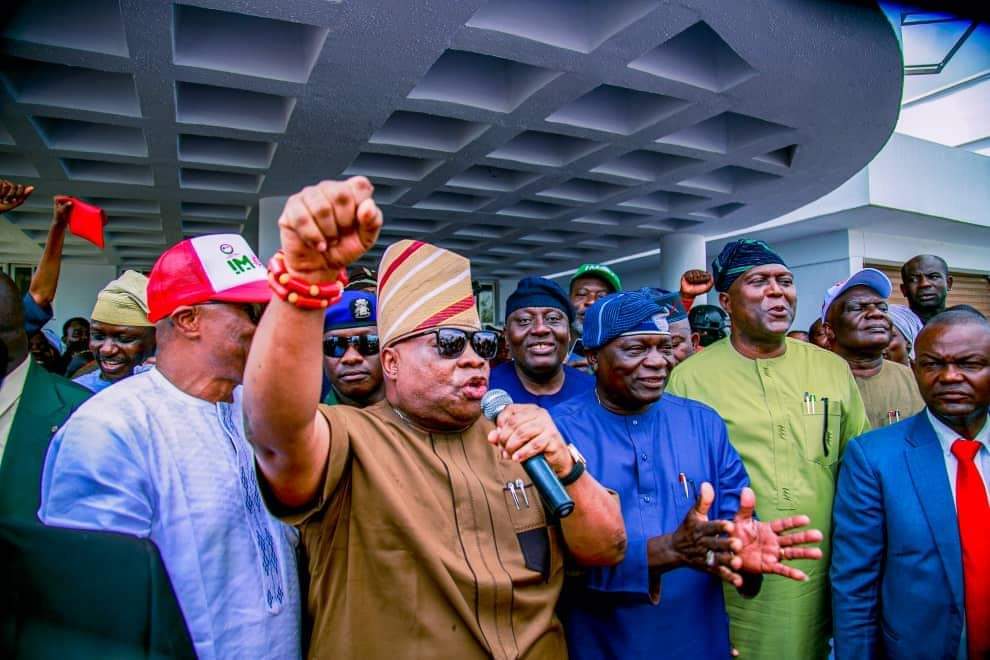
217 267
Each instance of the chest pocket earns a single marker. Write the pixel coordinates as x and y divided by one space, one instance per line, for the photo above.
821 433
684 496
529 520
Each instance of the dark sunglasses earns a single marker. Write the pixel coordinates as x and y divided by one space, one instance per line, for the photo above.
253 310
451 342
335 347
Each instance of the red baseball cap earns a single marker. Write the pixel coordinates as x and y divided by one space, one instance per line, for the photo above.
218 267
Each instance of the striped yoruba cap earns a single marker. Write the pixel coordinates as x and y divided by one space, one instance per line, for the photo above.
422 286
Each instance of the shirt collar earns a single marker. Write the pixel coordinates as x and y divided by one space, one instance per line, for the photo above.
623 416
13 384
946 436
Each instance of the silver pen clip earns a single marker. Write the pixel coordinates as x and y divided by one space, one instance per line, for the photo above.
512 491
522 488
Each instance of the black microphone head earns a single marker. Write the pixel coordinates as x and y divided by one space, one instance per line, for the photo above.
494 402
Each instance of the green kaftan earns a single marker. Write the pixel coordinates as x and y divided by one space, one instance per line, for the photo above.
792 462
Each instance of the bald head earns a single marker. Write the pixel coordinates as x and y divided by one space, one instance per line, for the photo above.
924 259
925 282
955 316
12 323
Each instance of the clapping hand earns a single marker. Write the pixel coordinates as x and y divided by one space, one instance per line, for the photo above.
708 545
763 545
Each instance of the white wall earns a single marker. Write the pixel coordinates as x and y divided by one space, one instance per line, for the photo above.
78 285
884 248
927 178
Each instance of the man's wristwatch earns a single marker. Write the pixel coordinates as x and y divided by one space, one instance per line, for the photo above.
580 465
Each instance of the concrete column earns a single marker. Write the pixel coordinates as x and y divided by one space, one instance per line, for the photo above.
680 252
269 209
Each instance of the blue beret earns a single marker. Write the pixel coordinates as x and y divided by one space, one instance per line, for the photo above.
669 301
539 292
739 256
617 314
356 309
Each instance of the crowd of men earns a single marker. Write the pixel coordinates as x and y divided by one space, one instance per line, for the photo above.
308 453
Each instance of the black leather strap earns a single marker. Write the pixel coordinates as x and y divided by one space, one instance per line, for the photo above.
573 475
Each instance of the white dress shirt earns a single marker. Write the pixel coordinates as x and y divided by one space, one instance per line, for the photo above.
10 396
145 458
947 436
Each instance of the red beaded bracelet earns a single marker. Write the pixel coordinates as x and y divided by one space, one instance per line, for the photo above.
300 293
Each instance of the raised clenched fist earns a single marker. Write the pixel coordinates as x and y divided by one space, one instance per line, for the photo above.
695 283
327 226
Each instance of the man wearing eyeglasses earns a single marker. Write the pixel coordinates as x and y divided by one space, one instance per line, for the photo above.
162 455
424 540
350 351
858 329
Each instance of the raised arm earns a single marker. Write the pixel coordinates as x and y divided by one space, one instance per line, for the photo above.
323 228
45 278
694 283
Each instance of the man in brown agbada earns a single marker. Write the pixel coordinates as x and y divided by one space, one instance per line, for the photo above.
425 536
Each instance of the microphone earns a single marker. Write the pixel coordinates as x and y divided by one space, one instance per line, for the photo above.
542 475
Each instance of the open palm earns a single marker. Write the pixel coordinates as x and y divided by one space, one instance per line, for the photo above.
764 544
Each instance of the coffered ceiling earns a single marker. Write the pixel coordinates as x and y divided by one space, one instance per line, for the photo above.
529 135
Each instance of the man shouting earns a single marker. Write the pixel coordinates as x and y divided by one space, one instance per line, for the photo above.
423 532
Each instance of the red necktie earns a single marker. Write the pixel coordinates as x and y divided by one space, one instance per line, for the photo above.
973 512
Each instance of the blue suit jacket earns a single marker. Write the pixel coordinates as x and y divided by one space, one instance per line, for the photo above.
897 584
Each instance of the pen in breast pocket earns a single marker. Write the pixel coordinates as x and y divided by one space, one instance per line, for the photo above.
522 489
825 427
511 487
684 484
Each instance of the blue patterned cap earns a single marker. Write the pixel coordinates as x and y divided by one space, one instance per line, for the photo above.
626 313
740 256
356 309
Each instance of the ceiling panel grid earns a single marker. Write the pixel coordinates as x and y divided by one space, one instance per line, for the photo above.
530 135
